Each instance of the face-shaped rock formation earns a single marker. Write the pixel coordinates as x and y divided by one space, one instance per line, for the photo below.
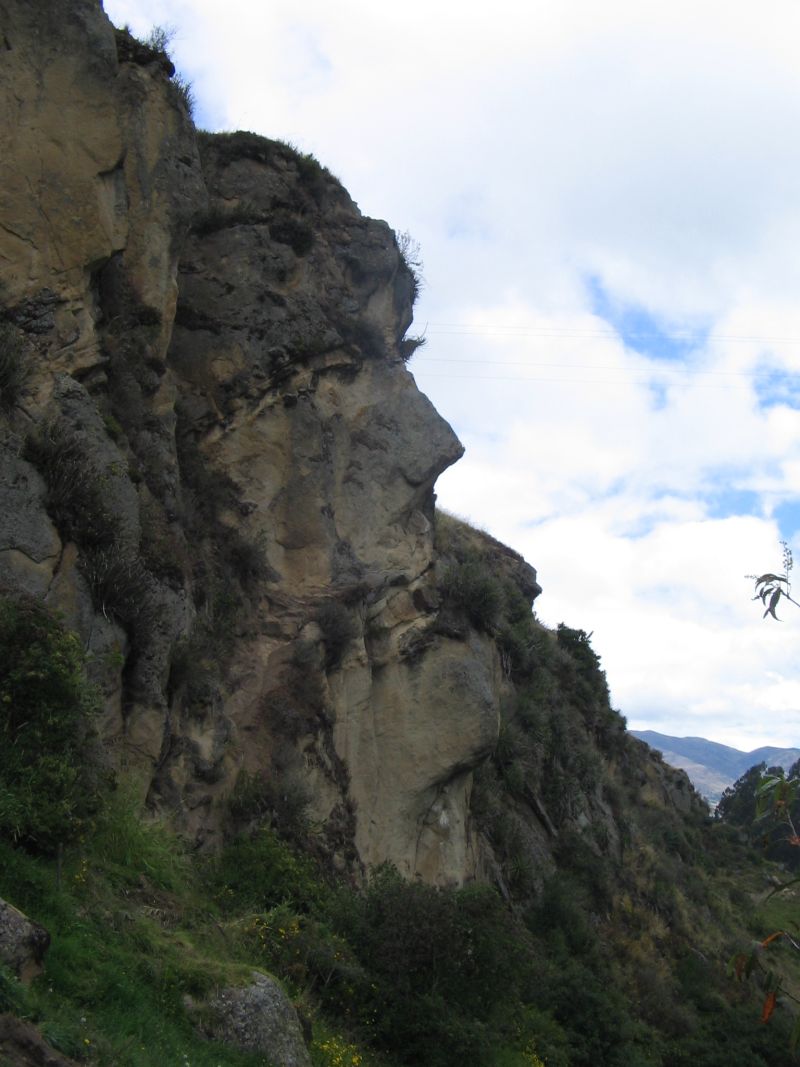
217 464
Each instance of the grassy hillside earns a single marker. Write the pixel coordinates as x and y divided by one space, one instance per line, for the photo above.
595 972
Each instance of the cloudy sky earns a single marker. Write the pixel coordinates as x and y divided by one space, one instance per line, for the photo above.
607 200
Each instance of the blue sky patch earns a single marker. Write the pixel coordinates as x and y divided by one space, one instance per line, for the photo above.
787 516
775 387
640 330
725 502
658 396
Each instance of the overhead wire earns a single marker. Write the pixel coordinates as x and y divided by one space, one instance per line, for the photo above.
479 329
753 377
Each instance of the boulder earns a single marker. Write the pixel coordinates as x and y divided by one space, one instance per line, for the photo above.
22 943
256 1018
21 1045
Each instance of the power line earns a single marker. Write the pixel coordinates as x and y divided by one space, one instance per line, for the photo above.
577 366
752 380
487 329
580 381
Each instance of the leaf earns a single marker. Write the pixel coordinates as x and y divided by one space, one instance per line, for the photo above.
770 579
769 1006
769 791
773 603
768 782
772 937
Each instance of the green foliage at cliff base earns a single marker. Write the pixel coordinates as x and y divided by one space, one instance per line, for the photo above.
402 974
49 783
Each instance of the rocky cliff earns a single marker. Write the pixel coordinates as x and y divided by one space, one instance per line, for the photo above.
217 465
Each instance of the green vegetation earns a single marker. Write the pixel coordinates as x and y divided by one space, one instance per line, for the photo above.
155 49
131 935
410 345
75 495
468 588
78 501
401 974
14 367
159 40
284 227
411 255
771 800
338 630
49 783
767 831
217 218
641 894
313 178
292 231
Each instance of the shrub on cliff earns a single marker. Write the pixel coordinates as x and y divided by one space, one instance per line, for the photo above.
471 588
13 366
411 255
48 782
75 500
338 630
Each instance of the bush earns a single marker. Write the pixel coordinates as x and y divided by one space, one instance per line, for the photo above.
338 630
247 558
184 91
49 783
469 587
130 846
75 498
259 872
289 231
409 345
159 40
364 335
411 255
589 679
220 218
280 801
13 366
312 177
123 589
441 965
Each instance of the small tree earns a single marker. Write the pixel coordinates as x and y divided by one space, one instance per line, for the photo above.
776 795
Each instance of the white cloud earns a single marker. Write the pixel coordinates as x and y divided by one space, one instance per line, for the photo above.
531 147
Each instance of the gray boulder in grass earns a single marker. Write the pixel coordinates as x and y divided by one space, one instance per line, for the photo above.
258 1017
22 943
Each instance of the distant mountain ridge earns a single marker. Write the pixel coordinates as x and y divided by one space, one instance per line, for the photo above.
713 767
